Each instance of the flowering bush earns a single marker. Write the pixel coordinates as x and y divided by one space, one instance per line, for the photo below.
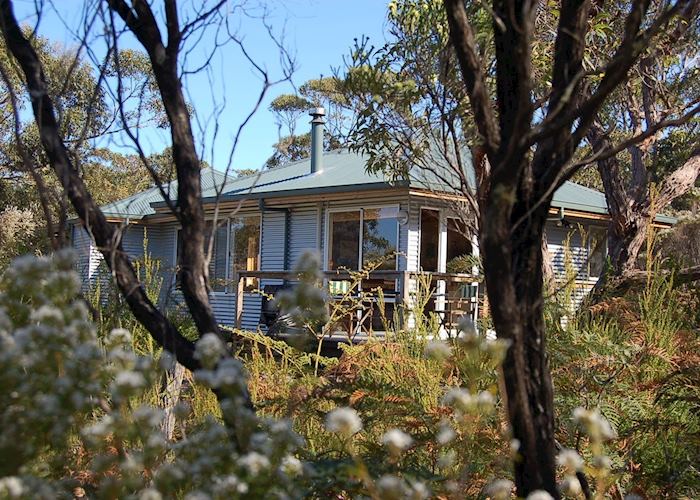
65 390
404 418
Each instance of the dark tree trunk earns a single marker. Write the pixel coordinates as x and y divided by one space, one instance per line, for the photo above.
513 267
106 236
625 242
193 270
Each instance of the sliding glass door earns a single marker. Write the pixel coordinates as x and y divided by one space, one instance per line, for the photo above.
363 237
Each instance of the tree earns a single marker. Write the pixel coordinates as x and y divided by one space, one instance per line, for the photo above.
638 181
529 149
329 93
84 112
163 41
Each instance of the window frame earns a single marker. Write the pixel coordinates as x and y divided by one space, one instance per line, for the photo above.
229 288
327 228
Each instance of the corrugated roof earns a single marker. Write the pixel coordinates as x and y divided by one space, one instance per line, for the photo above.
140 205
342 171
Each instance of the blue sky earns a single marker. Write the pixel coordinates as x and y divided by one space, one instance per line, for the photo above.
317 32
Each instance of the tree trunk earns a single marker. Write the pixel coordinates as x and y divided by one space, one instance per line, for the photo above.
107 238
630 204
513 267
171 397
626 239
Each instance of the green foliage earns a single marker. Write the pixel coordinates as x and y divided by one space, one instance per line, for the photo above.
288 109
631 358
84 112
408 415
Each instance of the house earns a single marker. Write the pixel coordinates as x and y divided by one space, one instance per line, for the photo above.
329 204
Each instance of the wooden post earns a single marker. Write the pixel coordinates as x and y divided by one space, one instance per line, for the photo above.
405 297
238 280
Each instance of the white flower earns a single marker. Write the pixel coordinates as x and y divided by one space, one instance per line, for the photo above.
497 349
438 350
119 337
197 495
539 495
254 463
128 381
209 350
11 487
343 421
396 440
291 465
47 314
228 374
485 401
391 487
459 399
596 426
150 494
419 491
570 460
228 486
148 416
499 489
570 485
514 447
446 434
100 429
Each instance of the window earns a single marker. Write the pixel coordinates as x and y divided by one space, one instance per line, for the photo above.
344 240
245 232
236 247
458 247
597 252
219 258
379 237
429 239
357 238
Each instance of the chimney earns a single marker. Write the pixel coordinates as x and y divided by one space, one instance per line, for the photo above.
317 139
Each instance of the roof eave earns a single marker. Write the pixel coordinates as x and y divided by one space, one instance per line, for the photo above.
284 193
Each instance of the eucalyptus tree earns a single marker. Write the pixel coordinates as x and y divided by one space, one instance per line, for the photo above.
514 82
167 35
327 92
642 178
530 142
85 112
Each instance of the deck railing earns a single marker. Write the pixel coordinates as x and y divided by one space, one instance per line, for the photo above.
448 298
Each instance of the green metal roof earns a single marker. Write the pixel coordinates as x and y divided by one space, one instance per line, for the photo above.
342 171
140 205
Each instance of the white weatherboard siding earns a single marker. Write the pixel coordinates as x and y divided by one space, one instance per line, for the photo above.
567 251
285 236
90 261
82 245
162 243
303 231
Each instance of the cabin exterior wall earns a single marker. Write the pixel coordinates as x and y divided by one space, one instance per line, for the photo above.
289 231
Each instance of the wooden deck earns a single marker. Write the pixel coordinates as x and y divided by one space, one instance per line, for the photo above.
364 304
